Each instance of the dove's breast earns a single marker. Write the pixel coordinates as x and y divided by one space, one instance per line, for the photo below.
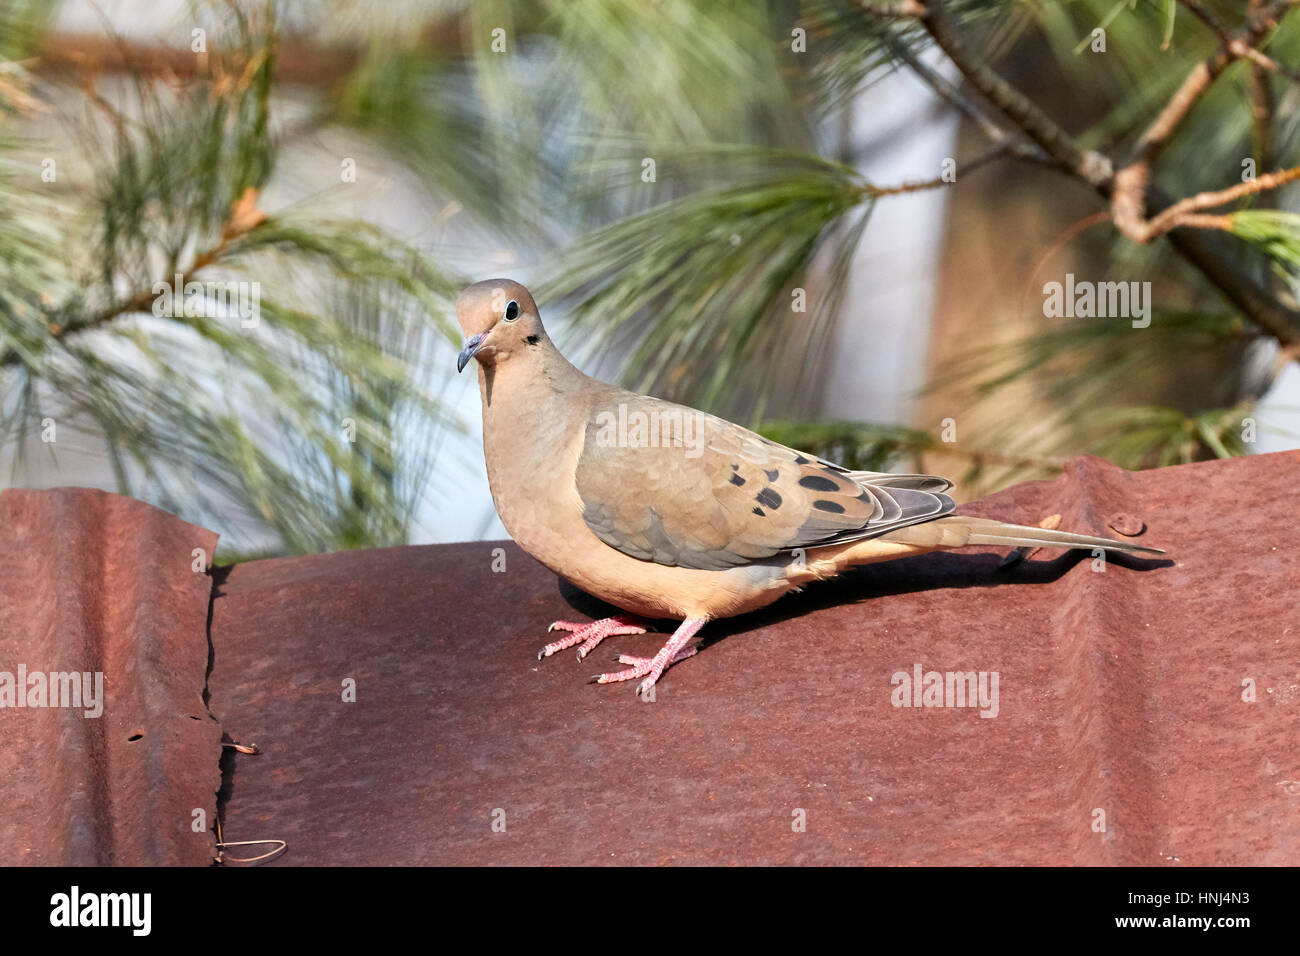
532 460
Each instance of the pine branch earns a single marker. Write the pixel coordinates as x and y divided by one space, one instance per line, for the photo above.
1263 108
1238 45
245 217
1128 197
1179 213
1130 194
997 152
1091 166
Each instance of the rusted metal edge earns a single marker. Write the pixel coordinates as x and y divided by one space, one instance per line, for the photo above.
117 765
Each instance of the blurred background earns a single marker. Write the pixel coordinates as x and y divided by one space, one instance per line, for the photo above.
830 220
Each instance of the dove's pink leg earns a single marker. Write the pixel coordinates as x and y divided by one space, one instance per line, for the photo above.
652 667
589 635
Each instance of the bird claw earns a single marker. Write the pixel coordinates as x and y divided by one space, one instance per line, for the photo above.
650 668
588 635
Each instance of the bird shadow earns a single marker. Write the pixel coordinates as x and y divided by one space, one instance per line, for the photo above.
929 572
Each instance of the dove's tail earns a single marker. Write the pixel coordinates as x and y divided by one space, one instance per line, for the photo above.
959 531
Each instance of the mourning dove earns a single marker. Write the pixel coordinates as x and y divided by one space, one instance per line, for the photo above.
668 512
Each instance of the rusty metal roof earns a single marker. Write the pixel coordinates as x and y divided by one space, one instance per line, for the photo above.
1121 698
96 583
1122 735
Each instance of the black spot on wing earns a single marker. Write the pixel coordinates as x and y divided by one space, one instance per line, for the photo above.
818 483
833 507
737 480
770 498
760 512
772 475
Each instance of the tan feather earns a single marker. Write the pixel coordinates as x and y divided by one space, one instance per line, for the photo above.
714 495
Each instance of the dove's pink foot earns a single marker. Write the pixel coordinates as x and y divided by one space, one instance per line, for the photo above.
651 668
589 635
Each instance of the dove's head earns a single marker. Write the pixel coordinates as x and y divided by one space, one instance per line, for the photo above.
500 321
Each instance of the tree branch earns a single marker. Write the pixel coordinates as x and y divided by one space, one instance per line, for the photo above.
1178 213
1202 249
1238 46
1089 165
997 152
244 218
1128 200
1018 145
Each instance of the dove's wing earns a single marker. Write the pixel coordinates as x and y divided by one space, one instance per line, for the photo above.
668 484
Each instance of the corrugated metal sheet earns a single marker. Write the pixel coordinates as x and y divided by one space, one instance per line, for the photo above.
1122 735
93 582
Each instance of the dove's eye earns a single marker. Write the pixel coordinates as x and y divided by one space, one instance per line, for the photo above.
512 310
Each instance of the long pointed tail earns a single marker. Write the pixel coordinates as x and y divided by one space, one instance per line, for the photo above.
959 531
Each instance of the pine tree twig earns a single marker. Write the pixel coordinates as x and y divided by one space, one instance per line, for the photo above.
1261 305
997 152
1236 45
1019 146
1129 196
1245 51
1263 113
244 218
1091 166
1263 106
1198 10
1200 220
1182 211
1257 303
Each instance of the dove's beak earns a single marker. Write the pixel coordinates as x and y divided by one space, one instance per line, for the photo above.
469 350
